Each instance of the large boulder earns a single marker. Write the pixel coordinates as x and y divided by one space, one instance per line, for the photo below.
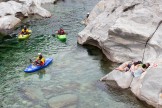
151 86
147 87
118 78
34 7
124 30
10 8
154 48
8 22
122 79
10 11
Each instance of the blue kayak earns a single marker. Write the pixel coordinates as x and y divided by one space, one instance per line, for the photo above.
31 68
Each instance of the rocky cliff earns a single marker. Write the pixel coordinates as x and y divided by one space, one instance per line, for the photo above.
129 30
125 29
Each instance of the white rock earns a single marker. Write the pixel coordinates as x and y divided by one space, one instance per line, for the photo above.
40 11
28 7
10 7
123 79
122 29
8 22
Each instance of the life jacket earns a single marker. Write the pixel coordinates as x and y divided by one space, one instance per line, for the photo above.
42 61
25 31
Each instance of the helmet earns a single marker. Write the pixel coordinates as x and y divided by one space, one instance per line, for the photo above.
25 27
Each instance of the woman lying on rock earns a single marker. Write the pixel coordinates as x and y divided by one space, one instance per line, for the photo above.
140 70
135 66
129 66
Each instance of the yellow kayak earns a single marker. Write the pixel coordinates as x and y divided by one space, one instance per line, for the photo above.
24 37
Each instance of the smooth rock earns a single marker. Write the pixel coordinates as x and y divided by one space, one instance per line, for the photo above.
8 22
63 101
151 86
123 79
20 9
34 94
122 29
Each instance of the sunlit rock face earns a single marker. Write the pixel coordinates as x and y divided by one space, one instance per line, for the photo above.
125 29
10 11
8 22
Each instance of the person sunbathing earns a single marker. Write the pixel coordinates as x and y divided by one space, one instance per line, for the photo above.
140 70
128 66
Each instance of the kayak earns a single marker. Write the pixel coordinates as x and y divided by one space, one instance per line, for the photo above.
62 37
24 37
32 68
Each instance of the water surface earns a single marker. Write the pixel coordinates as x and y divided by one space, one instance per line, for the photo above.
72 80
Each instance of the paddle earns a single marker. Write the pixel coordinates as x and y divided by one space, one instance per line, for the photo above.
33 63
30 60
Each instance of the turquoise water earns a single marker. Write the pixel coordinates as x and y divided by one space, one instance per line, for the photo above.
72 80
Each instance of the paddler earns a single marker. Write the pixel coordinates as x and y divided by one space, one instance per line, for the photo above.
25 31
40 60
61 31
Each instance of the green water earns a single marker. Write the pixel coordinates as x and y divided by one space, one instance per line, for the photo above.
72 77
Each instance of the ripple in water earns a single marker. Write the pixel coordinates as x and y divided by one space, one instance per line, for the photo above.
72 80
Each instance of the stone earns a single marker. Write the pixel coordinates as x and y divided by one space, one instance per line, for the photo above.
152 86
33 94
8 22
123 79
62 101
20 10
124 30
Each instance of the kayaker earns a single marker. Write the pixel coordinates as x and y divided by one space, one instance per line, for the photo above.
61 31
25 31
40 60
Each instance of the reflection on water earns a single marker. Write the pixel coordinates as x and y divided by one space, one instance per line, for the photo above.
72 80
41 73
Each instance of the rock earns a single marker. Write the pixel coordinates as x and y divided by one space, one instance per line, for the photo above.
33 94
62 101
34 7
40 11
154 47
20 10
123 79
151 86
8 22
136 85
147 87
122 29
10 8
48 1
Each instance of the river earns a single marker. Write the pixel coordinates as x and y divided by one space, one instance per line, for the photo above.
72 80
